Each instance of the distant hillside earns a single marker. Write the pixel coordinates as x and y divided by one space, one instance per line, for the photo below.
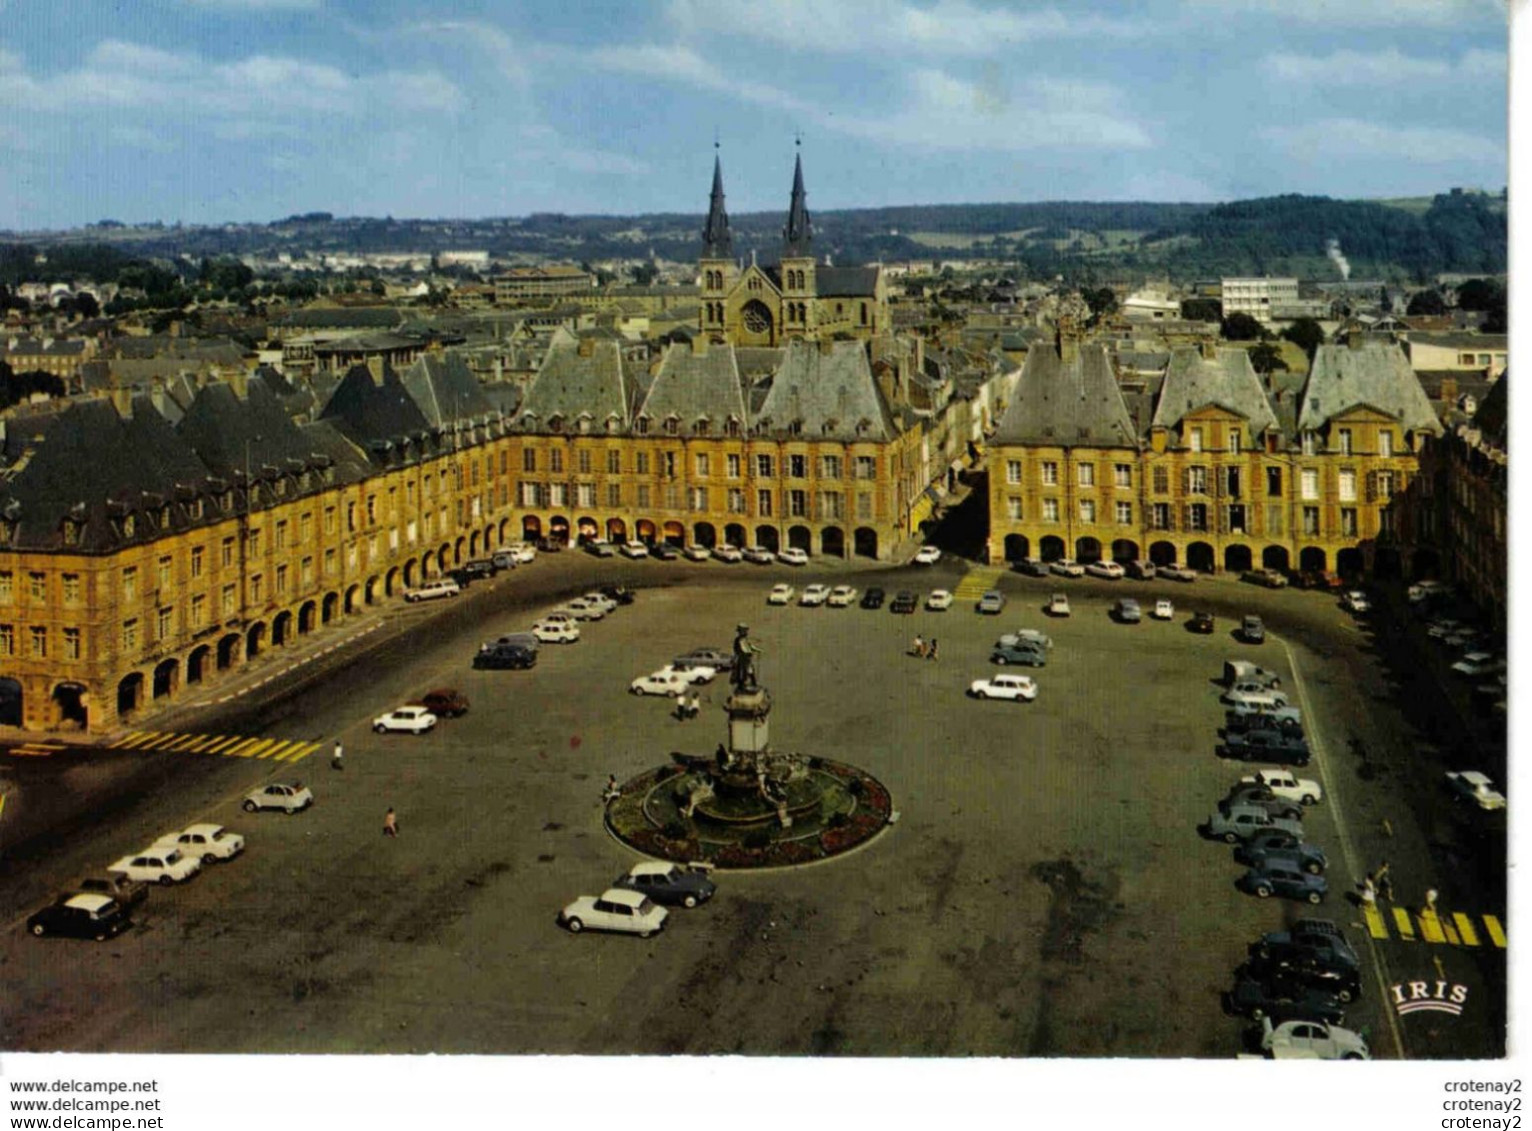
1404 239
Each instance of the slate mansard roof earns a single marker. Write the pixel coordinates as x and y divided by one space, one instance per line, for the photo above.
1227 381
1373 373
1068 403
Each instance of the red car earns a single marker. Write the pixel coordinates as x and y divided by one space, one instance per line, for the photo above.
444 703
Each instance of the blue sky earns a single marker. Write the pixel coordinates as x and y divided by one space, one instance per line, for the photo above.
223 110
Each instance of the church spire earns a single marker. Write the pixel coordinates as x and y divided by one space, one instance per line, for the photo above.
716 241
799 233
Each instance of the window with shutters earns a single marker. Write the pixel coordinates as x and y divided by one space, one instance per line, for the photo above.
797 467
673 496
863 505
702 465
555 461
1196 481
1345 441
585 494
72 643
1385 443
763 467
641 463
1273 482
1160 516
1236 518
71 588
1309 444
614 494
736 501
831 467
1197 516
763 503
798 504
558 496
614 462
528 462
1195 440
1088 510
732 463
582 461
643 495
1235 440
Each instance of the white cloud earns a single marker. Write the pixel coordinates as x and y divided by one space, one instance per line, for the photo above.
1362 13
683 65
1343 138
1347 67
601 162
948 27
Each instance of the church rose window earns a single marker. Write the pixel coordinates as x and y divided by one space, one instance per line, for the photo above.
756 318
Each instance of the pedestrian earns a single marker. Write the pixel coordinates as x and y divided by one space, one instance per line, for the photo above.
1430 902
390 823
931 649
696 706
919 649
335 757
1369 891
1385 885
611 792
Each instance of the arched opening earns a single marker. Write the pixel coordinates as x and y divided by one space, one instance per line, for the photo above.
703 534
531 528
586 529
1051 547
473 544
458 550
353 598
1348 562
832 542
505 530
228 651
755 324
427 565
1311 557
1386 563
167 678
130 693
558 529
1125 550
307 612
10 703
1237 559
196 663
281 628
1274 557
255 640
768 538
1017 547
409 574
1200 556
865 541
675 534
616 530
69 702
646 532
328 607
800 538
374 590
734 534
1162 553
391 582
1087 549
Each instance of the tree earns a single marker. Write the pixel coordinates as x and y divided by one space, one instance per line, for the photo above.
1266 358
1481 294
1426 303
1101 300
1240 327
1201 310
1306 334
644 273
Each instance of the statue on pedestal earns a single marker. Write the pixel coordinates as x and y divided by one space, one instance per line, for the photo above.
745 653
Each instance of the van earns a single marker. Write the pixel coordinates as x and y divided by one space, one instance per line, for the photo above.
1242 671
1254 695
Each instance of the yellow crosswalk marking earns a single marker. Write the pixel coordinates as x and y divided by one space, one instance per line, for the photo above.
278 750
1375 925
242 749
976 582
184 742
1450 932
1431 927
222 743
1405 924
1496 931
302 752
252 751
142 739
124 740
203 742
1469 936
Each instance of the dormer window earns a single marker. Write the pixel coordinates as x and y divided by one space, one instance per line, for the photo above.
8 531
127 526
165 518
700 427
583 424
71 533
643 426
672 425
795 428
555 423
862 426
731 427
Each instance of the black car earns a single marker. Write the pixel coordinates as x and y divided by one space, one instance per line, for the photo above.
461 575
1032 567
1201 622
668 884
904 602
1284 998
1252 631
1266 840
873 598
1266 746
84 916
619 593
597 548
500 657
1254 852
546 545
664 552
445 703
1236 722
480 567
1344 982
1316 940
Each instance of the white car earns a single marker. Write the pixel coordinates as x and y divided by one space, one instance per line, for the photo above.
940 600
1018 687
841 597
523 552
1164 609
1176 572
696 553
1355 601
1311 1040
1023 637
599 600
290 797
691 673
667 681
1068 567
210 842
1282 783
431 590
583 609
404 720
760 555
1479 663
727 553
633 549
1471 785
1109 570
1058 605
556 631
928 555
616 909
781 594
814 595
793 556
158 864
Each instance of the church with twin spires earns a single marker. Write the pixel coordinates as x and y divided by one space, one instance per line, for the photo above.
800 297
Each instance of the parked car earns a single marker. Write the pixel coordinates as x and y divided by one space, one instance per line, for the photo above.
556 632
1176 572
404 720
873 598
502 657
1283 876
1307 857
503 559
480 568
1032 567
1283 783
1058 605
1142 570
599 548
211 843
616 909
1109 570
928 555
431 590
1237 672
1238 822
991 604
1344 983
1471 785
129 893
1067 567
696 553
1025 653
1318 941
1266 746
1311 1040
664 552
614 595
1258 698
760 555
445 702
1027 635
939 600
1269 840
1251 630
1201 623
1243 716
904 601
1425 591
582 608
1019 687
669 884
1476 664
522 552
1269 578
83 916
781 594
459 577
814 595
1249 793
693 674
719 659
634 549
841 597
290 797
667 681
1285 999
793 556
1126 611
548 545
726 553
158 864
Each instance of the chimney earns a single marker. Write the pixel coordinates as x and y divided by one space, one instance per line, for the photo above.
1208 348
1355 339
699 346
1449 391
1067 337
587 347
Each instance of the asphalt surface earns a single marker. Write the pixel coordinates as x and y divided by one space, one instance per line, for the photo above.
1044 893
